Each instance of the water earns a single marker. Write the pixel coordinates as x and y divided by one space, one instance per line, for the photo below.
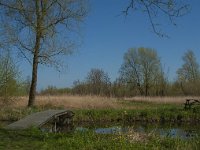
183 131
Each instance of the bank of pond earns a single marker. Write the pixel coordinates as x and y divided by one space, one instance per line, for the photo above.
105 135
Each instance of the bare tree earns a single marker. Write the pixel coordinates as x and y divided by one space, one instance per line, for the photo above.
40 30
170 9
140 68
190 69
99 82
189 74
161 83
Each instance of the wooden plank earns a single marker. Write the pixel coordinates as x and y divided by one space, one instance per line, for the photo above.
37 119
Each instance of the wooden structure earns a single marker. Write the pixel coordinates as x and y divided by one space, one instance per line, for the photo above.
57 118
189 102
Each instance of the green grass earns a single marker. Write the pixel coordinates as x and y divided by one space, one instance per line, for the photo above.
142 111
154 114
34 139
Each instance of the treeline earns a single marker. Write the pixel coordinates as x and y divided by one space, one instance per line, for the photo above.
141 74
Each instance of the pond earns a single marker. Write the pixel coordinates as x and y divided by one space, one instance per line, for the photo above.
183 131
173 130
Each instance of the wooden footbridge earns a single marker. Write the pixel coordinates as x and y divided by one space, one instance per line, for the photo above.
55 117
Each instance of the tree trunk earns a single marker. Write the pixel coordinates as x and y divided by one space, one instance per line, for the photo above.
146 89
34 73
33 82
140 89
32 92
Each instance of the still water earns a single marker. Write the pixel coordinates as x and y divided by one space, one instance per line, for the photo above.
183 131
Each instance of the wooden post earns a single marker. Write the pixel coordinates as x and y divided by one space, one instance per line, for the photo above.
55 126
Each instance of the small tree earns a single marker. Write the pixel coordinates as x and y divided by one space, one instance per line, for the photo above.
8 77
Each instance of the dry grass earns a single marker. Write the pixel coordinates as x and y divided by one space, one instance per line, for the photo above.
93 102
164 100
80 102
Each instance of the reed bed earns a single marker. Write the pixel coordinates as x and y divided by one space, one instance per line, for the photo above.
95 102
76 102
163 100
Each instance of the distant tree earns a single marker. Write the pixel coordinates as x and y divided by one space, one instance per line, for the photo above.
141 68
189 74
36 27
169 9
190 70
53 90
122 89
98 82
80 88
161 83
118 88
8 77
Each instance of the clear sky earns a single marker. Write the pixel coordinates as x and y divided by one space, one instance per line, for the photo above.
107 35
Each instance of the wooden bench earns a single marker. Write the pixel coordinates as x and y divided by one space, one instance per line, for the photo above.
189 102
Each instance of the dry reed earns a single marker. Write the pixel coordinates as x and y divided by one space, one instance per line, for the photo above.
164 100
93 102
76 102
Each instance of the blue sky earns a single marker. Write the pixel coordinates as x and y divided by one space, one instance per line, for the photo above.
106 36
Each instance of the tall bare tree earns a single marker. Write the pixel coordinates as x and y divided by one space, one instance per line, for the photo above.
155 9
40 30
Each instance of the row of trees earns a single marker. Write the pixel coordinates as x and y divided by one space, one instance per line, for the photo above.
142 74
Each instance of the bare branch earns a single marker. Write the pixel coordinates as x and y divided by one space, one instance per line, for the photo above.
171 9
